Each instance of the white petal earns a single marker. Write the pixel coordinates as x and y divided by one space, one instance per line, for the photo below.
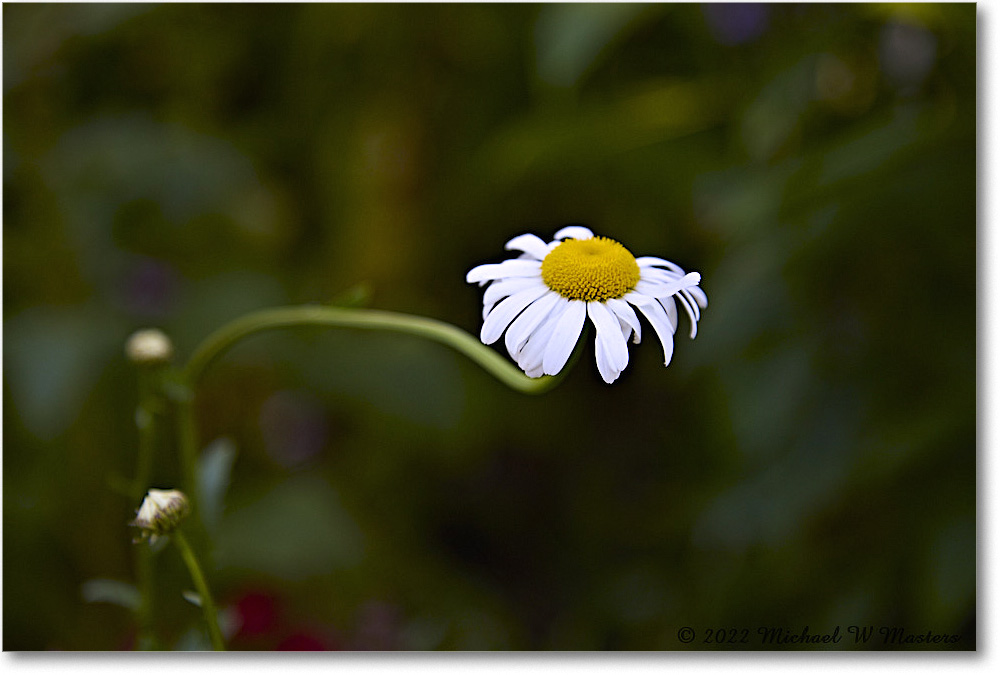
661 324
533 351
504 313
699 296
626 315
530 244
535 372
690 311
565 335
663 290
627 331
609 333
604 362
639 299
671 307
574 232
686 294
499 290
658 276
650 261
508 268
533 315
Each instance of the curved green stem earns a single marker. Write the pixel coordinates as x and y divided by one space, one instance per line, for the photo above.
207 603
365 319
340 317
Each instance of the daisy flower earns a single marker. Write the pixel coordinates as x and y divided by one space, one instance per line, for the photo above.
543 297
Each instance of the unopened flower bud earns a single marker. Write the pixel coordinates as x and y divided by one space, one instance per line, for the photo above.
149 346
160 513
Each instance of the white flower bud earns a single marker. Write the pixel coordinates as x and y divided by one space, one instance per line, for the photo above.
149 346
160 512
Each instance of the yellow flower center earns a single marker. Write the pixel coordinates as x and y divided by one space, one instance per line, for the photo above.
590 269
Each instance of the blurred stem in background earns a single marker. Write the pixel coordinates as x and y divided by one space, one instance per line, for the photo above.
145 419
187 437
145 422
150 351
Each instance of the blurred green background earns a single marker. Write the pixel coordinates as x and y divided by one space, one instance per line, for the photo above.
808 460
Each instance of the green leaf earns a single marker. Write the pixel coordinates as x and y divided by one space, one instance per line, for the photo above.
570 38
53 357
192 597
111 591
214 470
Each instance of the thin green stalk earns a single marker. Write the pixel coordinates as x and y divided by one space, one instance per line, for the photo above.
365 319
145 422
207 603
187 440
145 419
144 572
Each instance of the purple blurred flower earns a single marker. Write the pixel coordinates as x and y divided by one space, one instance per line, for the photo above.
294 427
907 53
149 287
736 23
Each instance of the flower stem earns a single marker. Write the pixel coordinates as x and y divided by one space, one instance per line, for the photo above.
145 420
365 319
147 636
187 441
207 604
